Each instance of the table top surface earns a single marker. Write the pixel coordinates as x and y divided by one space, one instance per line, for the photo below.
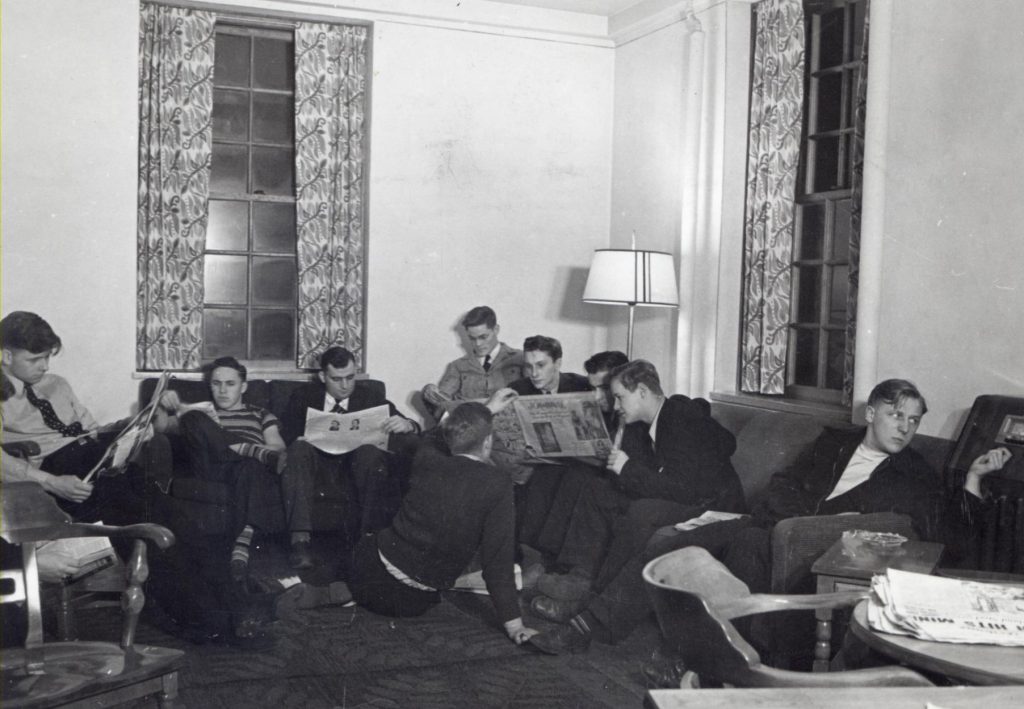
839 698
920 557
976 664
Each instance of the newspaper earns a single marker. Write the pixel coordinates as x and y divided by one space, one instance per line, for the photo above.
341 433
708 517
549 427
947 609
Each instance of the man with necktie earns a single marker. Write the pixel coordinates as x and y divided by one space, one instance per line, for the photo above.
371 474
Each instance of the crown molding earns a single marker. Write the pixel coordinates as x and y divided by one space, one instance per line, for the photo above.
650 16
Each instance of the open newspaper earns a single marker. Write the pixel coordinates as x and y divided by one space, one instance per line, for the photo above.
946 609
341 433
549 427
133 434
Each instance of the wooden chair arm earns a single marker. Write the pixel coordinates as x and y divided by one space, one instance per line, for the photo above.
161 536
769 603
888 676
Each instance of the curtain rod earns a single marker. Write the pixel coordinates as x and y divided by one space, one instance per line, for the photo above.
282 19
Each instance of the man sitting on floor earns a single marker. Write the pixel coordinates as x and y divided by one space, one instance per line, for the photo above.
457 505
673 464
486 368
374 475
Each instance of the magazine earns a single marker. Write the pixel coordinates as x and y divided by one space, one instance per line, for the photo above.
92 553
340 433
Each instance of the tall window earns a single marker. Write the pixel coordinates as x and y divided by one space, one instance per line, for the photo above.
250 276
821 249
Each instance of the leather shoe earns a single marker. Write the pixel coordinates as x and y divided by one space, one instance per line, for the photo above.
561 640
663 671
301 556
554 609
303 596
572 586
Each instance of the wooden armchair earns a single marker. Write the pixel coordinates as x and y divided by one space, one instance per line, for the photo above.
77 673
695 597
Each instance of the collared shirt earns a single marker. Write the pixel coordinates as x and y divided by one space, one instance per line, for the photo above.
653 431
330 401
493 354
24 422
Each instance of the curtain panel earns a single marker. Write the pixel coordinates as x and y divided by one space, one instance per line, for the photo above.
176 63
776 115
330 110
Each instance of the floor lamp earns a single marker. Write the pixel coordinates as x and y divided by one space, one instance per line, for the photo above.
631 277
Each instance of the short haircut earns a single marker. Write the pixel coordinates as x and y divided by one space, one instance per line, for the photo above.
639 371
540 343
22 330
337 357
466 427
894 392
605 361
480 315
229 362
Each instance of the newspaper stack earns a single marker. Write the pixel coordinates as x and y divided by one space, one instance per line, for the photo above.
947 610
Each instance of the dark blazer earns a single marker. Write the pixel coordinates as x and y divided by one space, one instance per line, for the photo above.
367 394
454 507
689 462
567 384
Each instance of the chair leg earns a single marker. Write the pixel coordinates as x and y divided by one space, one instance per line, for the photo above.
133 598
168 697
67 629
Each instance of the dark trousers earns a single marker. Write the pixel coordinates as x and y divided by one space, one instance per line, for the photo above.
254 496
374 588
544 505
371 481
623 601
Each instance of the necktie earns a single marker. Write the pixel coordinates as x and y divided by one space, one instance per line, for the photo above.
487 363
50 417
338 409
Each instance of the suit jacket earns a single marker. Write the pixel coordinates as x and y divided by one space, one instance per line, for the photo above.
366 394
567 384
689 461
465 378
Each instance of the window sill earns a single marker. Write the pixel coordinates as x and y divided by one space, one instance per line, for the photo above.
791 406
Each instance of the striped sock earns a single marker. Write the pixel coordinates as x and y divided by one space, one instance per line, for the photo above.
240 552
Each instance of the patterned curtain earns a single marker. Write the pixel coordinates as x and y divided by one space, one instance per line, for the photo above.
776 116
175 108
330 107
857 157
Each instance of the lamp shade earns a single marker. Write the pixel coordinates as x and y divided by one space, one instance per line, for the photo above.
630 277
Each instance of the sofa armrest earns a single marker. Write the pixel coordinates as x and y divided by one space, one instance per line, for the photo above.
797 542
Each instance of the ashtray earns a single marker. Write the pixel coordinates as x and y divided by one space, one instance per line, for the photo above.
879 542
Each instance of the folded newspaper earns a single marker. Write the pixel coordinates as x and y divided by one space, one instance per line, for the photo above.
341 433
946 609
551 426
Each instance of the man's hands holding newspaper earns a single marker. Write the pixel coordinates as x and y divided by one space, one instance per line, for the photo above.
617 459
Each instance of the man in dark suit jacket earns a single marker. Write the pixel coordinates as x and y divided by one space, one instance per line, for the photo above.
374 483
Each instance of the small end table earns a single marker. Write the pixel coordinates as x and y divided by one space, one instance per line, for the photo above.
838 570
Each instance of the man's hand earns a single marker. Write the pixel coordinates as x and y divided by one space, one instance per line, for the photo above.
517 632
67 487
55 565
982 466
170 401
500 399
616 461
397 424
433 395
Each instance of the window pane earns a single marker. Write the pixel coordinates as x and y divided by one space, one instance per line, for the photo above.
228 227
858 29
228 171
826 163
830 101
831 46
231 64
812 232
273 118
805 359
223 333
808 299
230 115
841 231
837 300
272 64
224 279
836 358
273 281
273 335
274 228
272 171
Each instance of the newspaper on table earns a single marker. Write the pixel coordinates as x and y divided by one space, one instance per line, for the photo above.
549 427
946 609
340 433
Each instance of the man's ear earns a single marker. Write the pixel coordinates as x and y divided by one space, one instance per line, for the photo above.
643 390
497 329
869 413
245 386
8 356
320 374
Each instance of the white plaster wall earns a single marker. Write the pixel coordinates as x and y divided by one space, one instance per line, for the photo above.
953 260
489 182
